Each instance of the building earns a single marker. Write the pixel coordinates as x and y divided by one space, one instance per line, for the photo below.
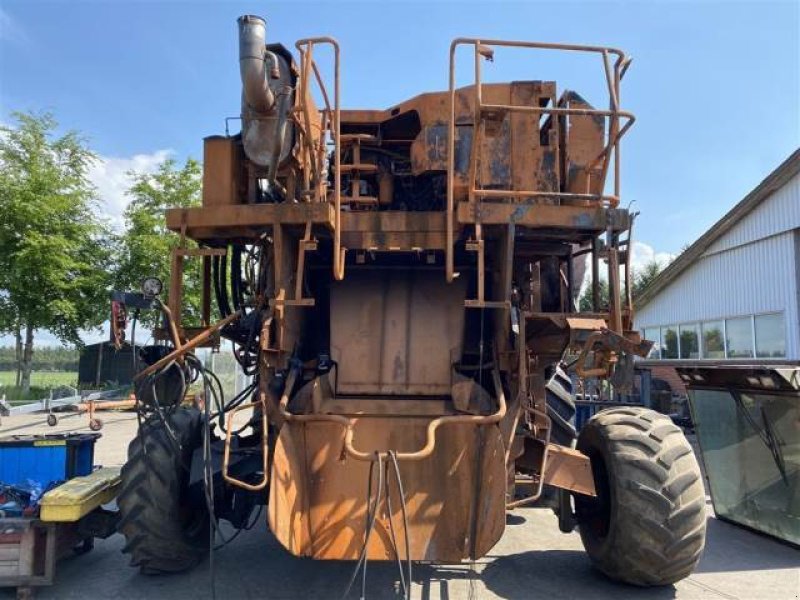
733 294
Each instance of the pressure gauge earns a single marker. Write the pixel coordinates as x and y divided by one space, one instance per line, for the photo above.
152 286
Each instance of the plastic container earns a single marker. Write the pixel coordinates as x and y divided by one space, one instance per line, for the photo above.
46 459
76 498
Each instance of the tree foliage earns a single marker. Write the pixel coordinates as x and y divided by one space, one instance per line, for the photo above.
640 280
146 242
47 358
585 300
643 277
54 252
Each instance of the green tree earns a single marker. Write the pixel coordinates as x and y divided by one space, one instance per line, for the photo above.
585 300
146 242
54 251
640 280
643 277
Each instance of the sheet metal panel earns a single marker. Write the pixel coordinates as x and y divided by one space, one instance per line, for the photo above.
396 332
755 278
778 213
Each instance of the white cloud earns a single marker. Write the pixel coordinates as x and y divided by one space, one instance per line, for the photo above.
110 176
642 254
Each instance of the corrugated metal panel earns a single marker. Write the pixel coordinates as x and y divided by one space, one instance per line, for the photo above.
778 213
755 278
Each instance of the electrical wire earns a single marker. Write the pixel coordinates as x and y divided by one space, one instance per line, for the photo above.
371 517
392 534
406 532
214 404
384 492
208 486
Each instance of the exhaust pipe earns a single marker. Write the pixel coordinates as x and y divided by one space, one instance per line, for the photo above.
253 64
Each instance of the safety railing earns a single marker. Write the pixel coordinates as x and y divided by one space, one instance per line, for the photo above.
348 424
483 49
331 120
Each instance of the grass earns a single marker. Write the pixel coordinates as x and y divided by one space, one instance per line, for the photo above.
41 383
45 379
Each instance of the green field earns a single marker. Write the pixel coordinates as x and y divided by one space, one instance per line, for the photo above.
45 379
41 383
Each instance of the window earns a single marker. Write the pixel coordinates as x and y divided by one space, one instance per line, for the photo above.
762 336
713 340
669 341
654 335
770 338
689 340
739 337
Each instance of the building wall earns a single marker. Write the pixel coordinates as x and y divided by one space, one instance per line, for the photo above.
752 269
779 213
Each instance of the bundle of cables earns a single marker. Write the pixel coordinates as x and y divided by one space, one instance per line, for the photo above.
249 277
383 492
150 403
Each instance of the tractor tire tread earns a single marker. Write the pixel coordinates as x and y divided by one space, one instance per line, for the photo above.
657 524
150 497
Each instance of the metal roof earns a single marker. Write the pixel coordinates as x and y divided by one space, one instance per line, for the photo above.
773 182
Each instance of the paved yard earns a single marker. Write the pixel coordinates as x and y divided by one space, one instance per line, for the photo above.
533 560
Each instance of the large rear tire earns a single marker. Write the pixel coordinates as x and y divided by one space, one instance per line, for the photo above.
561 407
647 525
561 410
164 533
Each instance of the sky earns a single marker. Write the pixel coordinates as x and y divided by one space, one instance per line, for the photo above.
715 86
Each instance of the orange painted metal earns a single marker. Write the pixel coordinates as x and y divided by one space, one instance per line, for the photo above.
424 254
261 408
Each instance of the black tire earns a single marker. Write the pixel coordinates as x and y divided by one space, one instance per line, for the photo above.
647 525
561 407
561 410
164 533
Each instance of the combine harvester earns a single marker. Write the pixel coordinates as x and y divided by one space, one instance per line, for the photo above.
402 284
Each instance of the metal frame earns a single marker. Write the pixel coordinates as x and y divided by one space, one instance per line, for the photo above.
306 47
433 425
481 49
499 219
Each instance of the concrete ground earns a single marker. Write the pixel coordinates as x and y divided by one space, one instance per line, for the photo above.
532 560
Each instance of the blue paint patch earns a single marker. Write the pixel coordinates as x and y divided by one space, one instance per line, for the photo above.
519 212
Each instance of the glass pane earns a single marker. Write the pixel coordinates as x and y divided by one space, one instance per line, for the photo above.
739 337
653 334
669 341
713 340
690 343
751 452
770 338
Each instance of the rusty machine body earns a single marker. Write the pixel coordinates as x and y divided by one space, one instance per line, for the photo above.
403 283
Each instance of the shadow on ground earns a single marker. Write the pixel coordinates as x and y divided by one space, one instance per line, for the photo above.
558 574
256 566
744 550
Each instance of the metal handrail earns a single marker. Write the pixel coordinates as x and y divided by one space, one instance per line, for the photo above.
305 59
226 456
433 425
613 74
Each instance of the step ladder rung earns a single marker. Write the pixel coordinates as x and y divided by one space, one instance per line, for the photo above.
360 138
359 200
360 168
